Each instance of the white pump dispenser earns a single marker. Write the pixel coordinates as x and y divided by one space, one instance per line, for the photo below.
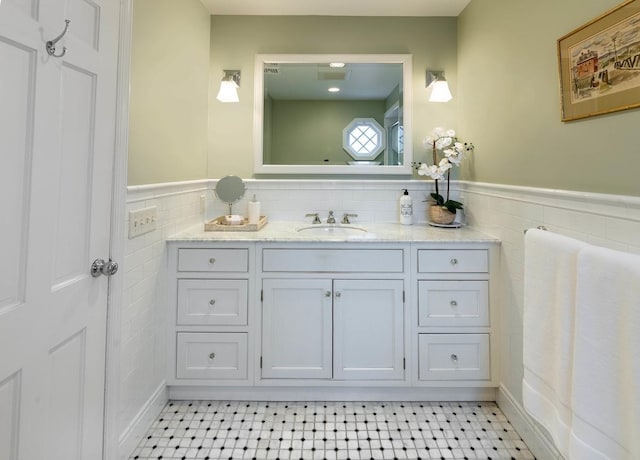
253 211
406 209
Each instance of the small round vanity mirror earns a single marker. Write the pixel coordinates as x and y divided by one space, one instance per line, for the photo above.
230 189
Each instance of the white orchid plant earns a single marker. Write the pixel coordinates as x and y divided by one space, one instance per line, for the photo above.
454 152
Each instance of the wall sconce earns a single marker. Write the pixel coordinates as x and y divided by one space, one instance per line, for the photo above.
439 86
229 86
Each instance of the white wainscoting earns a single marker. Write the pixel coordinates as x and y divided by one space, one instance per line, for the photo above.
504 211
142 351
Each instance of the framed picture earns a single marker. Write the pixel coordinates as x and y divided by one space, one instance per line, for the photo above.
600 64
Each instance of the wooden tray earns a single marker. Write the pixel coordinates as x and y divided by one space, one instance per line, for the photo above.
218 225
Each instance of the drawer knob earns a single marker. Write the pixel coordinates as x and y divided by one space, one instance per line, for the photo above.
212 355
454 358
454 261
212 302
212 261
454 303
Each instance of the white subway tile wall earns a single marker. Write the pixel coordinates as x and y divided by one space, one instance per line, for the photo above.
143 317
289 200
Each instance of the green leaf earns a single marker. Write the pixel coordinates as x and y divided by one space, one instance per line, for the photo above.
453 205
439 199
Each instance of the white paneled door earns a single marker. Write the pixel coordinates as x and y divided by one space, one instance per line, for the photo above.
57 117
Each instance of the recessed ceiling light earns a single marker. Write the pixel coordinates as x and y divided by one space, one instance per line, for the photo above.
336 64
334 89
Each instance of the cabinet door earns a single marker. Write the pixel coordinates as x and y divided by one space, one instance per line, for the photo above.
296 328
368 329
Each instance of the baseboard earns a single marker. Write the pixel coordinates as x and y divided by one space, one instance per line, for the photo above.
135 431
538 443
331 394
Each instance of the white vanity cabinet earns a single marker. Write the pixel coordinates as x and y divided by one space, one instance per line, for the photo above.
455 335
257 316
333 312
209 339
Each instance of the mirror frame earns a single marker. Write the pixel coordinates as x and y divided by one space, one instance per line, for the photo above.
258 110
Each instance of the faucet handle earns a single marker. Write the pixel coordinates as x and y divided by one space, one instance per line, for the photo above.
316 217
331 219
345 218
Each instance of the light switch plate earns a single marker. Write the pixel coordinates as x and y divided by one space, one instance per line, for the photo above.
142 221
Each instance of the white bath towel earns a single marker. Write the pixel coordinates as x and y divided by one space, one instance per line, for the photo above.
550 265
606 374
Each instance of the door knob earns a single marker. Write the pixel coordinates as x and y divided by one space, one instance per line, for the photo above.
100 267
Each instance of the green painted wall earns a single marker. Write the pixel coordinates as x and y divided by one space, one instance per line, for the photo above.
235 40
509 101
500 58
318 126
169 91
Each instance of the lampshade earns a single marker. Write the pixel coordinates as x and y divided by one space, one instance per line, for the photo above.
438 85
440 92
229 86
228 92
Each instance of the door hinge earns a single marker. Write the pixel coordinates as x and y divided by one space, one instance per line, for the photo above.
260 362
404 363
261 295
403 297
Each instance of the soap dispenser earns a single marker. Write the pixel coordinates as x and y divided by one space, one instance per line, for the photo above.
406 208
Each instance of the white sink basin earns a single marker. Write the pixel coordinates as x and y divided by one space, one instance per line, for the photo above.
332 230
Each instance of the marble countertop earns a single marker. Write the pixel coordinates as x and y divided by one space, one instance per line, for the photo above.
281 231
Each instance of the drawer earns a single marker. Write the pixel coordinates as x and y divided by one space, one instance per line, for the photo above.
213 260
333 260
453 303
213 302
453 261
211 355
453 357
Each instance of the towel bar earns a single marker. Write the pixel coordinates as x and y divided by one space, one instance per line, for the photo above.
539 227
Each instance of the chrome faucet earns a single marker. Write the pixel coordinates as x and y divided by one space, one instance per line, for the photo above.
331 219
345 218
316 217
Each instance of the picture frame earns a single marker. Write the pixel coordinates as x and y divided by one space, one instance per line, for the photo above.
599 64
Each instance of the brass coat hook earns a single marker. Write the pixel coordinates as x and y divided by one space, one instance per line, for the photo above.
51 44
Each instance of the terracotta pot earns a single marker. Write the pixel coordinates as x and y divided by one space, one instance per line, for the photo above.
440 215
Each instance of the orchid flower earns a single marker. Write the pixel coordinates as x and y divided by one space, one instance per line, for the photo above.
444 165
454 152
443 142
432 171
453 156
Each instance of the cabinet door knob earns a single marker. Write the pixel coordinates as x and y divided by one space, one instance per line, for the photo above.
338 294
327 294
454 261
212 261
212 355
212 302
454 303
454 358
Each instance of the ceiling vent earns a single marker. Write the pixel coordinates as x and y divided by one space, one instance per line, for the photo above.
333 74
328 73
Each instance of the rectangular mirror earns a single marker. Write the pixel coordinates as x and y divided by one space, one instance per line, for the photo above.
332 114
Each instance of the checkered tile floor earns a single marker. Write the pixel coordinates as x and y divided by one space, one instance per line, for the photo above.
331 430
